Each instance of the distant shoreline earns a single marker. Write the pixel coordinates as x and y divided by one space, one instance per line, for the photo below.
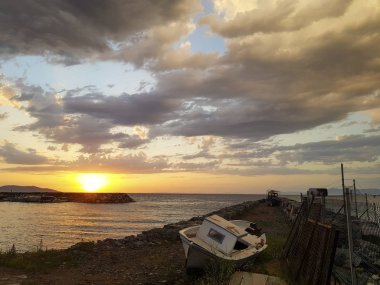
60 197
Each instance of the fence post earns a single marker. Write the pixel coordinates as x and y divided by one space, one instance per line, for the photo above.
356 202
343 188
375 213
349 233
366 204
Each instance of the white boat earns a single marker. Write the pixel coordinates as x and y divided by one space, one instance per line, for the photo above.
237 241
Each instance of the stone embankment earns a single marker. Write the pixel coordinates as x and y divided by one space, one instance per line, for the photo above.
56 197
170 231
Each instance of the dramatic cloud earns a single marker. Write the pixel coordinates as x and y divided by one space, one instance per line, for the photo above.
284 79
69 30
131 163
347 149
128 110
274 78
52 122
12 155
288 66
272 16
126 164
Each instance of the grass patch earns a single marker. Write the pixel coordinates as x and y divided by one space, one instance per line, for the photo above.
41 260
269 261
218 272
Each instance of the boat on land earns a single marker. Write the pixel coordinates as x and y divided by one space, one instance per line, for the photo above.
236 241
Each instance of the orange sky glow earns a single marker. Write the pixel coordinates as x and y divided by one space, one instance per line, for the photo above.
190 96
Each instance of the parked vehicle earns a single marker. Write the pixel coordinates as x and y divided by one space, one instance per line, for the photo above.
272 198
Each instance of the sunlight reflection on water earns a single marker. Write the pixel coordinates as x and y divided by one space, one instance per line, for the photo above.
60 225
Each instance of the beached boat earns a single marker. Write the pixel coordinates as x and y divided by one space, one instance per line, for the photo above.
236 241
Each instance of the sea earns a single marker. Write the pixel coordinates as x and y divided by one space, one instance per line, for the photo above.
31 226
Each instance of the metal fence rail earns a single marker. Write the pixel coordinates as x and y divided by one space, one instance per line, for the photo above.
365 224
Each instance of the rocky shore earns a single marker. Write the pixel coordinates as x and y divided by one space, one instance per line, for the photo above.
153 257
58 197
170 231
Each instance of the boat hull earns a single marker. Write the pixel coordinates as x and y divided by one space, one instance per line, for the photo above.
198 257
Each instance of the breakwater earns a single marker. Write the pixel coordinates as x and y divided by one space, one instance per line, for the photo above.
56 197
169 232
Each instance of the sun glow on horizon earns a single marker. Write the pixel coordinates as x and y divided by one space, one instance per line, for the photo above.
92 182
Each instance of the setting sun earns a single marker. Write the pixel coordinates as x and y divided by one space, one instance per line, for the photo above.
92 182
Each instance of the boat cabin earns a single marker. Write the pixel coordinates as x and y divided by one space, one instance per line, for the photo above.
224 235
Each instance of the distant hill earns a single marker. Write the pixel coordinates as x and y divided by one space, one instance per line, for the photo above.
15 188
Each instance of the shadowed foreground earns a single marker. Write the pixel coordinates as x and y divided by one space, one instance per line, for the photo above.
155 257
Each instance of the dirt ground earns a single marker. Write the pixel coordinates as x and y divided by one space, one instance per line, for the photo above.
154 263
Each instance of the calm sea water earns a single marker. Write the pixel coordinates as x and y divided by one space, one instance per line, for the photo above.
60 225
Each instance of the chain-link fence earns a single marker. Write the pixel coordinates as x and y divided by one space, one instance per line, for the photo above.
364 224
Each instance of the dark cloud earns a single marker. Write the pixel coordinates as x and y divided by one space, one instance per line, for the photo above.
68 30
349 149
288 66
12 155
267 83
205 147
126 164
133 141
52 148
84 130
357 151
128 110
57 126
131 163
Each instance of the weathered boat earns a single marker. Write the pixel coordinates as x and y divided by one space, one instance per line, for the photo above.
236 241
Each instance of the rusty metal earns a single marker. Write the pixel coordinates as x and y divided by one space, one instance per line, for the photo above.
310 248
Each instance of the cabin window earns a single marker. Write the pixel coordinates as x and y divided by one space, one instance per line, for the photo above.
216 236
240 245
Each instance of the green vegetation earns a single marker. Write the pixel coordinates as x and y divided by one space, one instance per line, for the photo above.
218 272
270 261
40 260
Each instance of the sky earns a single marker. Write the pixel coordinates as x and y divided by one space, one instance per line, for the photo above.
223 96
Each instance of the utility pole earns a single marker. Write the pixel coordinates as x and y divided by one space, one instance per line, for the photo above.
356 203
350 240
343 188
